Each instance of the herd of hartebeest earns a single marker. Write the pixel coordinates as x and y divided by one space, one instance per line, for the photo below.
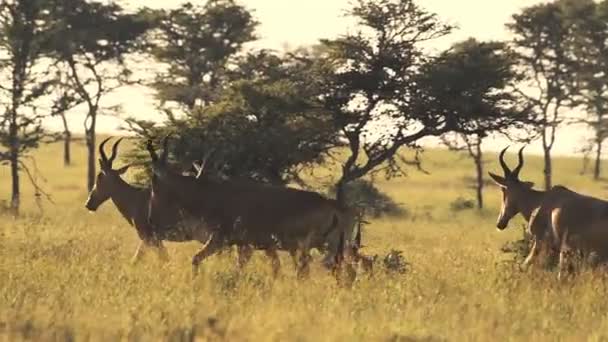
220 213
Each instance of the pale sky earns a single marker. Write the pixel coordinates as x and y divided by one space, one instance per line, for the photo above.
295 23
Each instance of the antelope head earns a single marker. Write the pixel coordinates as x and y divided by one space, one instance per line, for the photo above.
107 177
514 191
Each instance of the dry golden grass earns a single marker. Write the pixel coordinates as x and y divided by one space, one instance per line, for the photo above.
66 275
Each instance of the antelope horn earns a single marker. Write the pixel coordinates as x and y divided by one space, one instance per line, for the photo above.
150 148
115 150
520 163
201 167
504 166
102 154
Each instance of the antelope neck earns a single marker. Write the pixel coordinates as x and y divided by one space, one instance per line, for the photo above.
530 200
124 197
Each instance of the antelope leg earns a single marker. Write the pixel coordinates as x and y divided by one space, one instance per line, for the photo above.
275 261
303 270
367 263
532 256
294 258
139 252
213 245
244 255
564 257
162 252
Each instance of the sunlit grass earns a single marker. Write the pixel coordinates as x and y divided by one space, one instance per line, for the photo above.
66 274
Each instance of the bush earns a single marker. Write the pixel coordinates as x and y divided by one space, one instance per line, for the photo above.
460 204
364 194
395 262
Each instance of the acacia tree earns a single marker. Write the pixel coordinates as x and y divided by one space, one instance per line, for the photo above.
543 40
375 90
90 41
477 77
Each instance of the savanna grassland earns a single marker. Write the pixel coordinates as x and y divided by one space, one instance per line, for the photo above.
66 274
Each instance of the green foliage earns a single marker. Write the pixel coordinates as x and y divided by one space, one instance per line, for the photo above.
197 42
266 127
94 30
471 86
543 39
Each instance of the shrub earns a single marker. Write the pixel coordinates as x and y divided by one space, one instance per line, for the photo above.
460 204
395 262
364 194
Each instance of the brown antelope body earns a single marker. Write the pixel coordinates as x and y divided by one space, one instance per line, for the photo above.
133 204
571 221
518 197
246 213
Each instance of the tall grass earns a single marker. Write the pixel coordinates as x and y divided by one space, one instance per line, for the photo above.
65 274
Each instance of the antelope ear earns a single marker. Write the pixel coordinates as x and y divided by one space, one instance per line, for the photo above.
123 169
500 181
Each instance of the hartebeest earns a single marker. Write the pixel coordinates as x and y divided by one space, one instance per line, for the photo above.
133 204
247 213
518 197
573 222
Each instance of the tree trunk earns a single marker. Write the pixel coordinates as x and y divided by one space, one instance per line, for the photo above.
598 160
547 170
67 140
478 158
340 191
599 139
15 197
14 162
90 140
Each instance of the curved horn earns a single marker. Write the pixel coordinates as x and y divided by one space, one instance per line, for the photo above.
520 163
505 168
204 163
102 154
114 150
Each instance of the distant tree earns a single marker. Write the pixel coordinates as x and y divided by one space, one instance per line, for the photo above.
23 27
376 91
476 77
590 22
64 99
543 40
197 42
90 41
